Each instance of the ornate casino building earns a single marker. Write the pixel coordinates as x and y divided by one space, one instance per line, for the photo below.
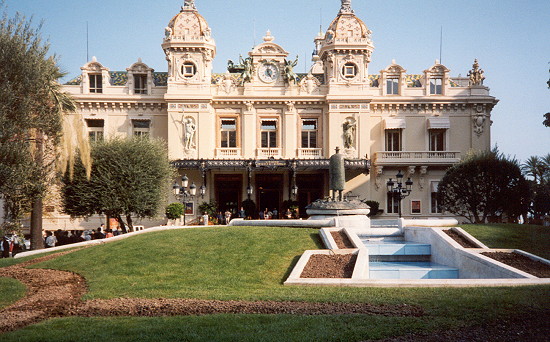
262 131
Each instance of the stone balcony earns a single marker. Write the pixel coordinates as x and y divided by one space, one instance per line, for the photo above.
231 153
268 152
309 153
400 158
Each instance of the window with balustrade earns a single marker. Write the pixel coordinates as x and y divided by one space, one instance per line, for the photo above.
309 133
393 139
268 133
437 139
228 133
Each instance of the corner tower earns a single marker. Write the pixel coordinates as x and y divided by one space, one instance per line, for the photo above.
346 49
190 50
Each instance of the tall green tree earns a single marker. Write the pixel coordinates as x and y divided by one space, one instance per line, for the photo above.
129 178
485 184
31 109
538 169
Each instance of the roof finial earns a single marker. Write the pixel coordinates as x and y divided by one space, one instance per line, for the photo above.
346 7
189 4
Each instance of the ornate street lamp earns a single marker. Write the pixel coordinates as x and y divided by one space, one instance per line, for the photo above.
396 189
249 191
294 191
182 192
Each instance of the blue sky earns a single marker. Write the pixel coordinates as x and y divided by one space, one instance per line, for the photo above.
510 39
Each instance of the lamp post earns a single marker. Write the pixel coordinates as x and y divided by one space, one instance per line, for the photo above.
294 191
396 189
183 192
249 191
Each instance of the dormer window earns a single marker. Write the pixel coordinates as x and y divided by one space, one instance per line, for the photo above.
392 86
349 70
188 69
436 86
96 83
140 84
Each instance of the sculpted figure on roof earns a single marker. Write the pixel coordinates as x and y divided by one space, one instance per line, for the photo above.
189 4
346 6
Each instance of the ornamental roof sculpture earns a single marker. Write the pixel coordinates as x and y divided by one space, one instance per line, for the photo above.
347 26
188 24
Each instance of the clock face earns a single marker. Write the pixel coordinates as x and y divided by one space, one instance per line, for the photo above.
268 72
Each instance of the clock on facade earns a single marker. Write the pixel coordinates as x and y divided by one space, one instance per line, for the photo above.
268 72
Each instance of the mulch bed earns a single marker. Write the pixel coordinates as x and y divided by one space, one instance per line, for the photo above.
521 262
342 240
329 266
460 239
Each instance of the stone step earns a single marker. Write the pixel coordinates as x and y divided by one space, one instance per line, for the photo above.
381 232
411 270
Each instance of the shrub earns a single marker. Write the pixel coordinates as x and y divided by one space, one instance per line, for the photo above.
174 211
374 207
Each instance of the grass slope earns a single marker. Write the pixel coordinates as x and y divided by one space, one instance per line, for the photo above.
530 238
251 264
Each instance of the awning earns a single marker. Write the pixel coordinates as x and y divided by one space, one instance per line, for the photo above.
439 123
394 123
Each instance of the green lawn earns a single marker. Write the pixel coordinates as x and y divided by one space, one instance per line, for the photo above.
530 238
11 290
251 264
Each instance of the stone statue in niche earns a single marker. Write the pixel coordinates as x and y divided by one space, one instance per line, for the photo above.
349 133
190 129
337 174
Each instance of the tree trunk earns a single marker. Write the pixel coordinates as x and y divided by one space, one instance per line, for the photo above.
37 240
122 224
130 223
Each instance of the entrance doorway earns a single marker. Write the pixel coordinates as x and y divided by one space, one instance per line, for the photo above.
311 187
269 191
228 192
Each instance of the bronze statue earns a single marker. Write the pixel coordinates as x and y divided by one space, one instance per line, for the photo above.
248 68
337 174
290 75
189 4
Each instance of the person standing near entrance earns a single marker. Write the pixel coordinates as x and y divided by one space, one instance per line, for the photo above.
275 213
227 216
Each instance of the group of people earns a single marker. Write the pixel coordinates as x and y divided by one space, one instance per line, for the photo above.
10 245
65 237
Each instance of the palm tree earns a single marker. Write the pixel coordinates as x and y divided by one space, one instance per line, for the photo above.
534 167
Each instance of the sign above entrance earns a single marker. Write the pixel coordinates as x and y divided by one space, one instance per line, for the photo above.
270 163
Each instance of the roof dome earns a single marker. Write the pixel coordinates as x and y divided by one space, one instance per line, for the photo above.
347 25
188 23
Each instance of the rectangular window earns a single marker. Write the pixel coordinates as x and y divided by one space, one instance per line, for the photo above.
95 129
228 133
392 204
96 83
393 140
269 133
437 139
141 128
392 86
436 86
309 133
140 84
435 207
